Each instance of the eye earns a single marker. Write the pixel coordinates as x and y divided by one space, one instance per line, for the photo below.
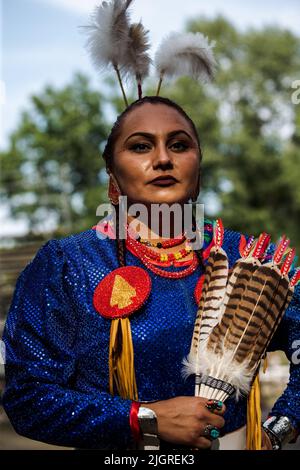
140 148
179 146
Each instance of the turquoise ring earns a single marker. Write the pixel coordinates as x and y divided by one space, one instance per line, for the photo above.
214 405
211 432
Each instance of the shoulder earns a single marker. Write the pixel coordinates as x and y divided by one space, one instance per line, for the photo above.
88 241
88 251
56 253
64 265
57 248
85 238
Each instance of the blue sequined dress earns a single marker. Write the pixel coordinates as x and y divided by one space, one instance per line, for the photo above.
57 347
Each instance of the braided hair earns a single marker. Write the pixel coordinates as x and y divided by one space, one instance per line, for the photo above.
109 150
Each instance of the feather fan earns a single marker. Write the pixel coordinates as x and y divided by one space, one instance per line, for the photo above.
188 54
226 355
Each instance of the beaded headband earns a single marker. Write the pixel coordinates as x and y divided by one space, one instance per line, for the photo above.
116 43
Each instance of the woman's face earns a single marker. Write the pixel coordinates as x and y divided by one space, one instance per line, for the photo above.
156 158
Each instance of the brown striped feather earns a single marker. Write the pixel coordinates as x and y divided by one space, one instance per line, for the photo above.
282 296
245 322
261 325
213 291
236 287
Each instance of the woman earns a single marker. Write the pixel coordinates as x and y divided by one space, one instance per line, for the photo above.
57 343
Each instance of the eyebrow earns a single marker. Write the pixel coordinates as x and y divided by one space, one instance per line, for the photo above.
152 136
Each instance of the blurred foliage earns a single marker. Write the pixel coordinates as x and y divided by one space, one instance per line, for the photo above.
52 170
248 126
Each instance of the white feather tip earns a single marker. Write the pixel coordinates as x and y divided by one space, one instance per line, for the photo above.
186 54
108 33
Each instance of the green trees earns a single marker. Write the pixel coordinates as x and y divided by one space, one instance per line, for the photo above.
248 126
51 172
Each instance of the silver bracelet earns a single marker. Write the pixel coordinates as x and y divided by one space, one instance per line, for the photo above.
148 426
280 431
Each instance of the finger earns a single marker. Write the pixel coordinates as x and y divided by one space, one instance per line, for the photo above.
206 417
203 443
216 407
217 421
211 432
211 418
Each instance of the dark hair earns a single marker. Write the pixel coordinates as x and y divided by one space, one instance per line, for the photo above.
109 153
117 127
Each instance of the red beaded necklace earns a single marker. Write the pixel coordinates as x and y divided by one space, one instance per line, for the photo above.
139 251
161 257
163 243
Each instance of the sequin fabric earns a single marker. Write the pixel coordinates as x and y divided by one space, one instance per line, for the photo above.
57 346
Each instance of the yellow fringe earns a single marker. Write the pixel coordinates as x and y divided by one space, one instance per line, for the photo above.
121 360
254 417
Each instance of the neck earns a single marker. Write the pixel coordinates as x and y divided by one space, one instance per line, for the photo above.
158 229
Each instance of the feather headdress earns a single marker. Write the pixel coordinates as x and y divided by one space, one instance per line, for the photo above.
113 41
109 33
238 315
188 54
138 58
108 37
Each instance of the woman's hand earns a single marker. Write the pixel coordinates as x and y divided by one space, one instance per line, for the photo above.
182 420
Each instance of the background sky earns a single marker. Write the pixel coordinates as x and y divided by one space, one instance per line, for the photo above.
41 41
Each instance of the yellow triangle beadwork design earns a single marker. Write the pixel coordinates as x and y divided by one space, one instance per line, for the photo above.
122 293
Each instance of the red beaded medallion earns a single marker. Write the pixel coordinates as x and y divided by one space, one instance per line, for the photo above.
122 292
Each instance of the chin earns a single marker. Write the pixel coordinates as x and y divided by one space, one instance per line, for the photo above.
168 197
169 201
157 197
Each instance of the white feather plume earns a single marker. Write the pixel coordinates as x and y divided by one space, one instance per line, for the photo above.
188 54
138 59
108 34
221 366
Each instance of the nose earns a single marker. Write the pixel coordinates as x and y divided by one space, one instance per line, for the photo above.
162 157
